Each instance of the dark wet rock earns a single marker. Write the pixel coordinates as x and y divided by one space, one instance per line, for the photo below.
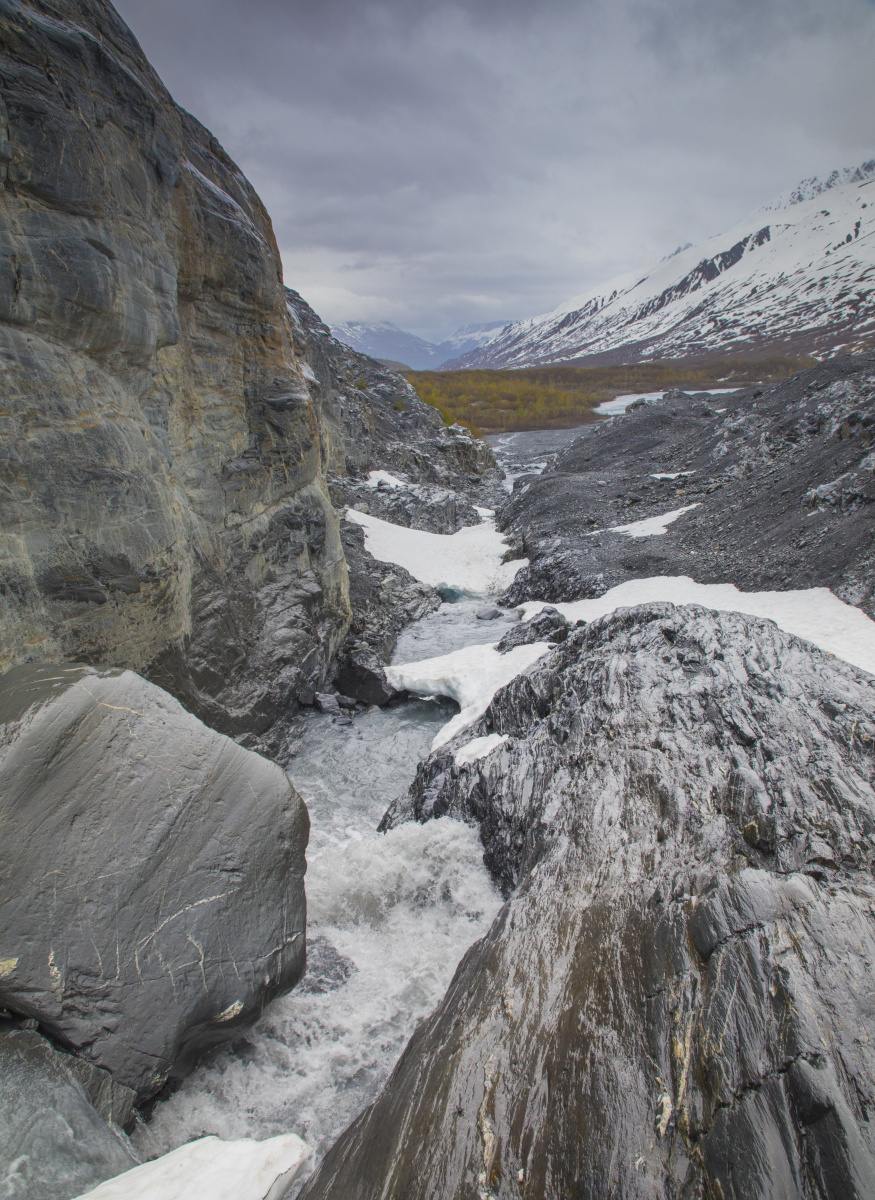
489 614
781 480
548 626
153 895
327 703
384 598
676 1000
53 1142
362 673
556 578
327 968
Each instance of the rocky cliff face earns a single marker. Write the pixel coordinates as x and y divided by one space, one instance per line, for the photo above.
161 497
674 1001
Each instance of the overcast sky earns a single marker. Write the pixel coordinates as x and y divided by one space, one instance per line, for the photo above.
436 163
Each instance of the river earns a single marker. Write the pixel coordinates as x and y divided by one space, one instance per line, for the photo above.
389 915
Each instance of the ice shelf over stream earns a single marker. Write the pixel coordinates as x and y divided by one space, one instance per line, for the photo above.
470 676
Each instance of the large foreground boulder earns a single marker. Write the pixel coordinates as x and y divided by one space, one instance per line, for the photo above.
152 897
678 999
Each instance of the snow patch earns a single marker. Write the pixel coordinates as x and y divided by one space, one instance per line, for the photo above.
469 560
478 748
375 478
308 372
470 676
210 1169
484 512
613 408
671 474
814 614
649 526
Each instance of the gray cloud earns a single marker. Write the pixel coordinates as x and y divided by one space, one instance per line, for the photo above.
436 163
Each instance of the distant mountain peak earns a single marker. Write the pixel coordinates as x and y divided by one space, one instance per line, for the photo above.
386 341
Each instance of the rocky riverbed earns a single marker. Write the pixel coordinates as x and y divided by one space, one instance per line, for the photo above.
579 728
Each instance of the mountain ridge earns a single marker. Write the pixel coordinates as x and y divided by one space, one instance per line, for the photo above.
384 340
793 277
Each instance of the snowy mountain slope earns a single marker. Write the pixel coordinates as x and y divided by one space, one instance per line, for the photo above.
468 338
797 276
383 340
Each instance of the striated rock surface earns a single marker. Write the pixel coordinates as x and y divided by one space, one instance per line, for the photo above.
153 892
677 999
778 485
53 1142
161 497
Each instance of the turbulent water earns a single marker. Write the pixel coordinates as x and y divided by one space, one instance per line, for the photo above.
389 915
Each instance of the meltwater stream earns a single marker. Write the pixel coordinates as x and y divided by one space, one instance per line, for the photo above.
389 917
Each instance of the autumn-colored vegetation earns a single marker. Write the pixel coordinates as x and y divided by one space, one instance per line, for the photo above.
562 397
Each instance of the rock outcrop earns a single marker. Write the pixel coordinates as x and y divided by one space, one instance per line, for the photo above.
676 998
53 1142
777 484
372 419
161 494
153 892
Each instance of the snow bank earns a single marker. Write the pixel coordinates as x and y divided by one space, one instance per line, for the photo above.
672 474
478 748
210 1169
375 478
469 560
470 676
814 614
649 526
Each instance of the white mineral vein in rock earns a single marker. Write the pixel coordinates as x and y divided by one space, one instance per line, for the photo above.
814 614
650 526
210 1169
470 676
478 748
469 560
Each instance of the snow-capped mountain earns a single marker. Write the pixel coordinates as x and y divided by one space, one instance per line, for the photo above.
382 339
795 277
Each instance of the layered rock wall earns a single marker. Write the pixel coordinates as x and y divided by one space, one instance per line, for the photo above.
161 492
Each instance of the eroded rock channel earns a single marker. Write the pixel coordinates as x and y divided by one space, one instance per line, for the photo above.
493 822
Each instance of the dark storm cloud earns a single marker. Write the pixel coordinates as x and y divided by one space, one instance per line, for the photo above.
436 163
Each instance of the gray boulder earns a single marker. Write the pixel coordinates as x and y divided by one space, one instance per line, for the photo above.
53 1143
677 999
153 894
